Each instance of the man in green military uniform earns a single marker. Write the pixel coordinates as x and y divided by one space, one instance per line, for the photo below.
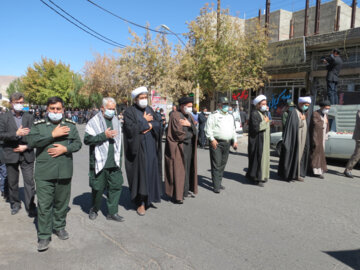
220 130
55 139
103 135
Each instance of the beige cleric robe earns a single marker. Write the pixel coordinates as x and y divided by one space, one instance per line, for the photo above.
303 129
174 159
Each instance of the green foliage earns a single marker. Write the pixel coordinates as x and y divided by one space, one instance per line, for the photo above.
47 79
227 60
15 86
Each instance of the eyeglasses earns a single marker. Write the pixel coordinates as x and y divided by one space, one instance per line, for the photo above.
18 102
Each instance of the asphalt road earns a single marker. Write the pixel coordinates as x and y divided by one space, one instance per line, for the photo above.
310 225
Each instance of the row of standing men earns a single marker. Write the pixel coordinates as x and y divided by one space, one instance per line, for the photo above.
55 138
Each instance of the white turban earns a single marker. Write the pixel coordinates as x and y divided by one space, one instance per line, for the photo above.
259 99
138 91
304 100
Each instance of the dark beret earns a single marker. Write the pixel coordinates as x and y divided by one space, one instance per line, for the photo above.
185 100
324 103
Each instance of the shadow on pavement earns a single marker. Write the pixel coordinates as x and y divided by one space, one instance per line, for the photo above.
205 182
349 257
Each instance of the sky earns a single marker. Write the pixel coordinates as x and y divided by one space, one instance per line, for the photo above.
30 30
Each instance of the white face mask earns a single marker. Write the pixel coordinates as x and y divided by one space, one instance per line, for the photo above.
18 107
188 110
142 103
263 108
55 117
325 111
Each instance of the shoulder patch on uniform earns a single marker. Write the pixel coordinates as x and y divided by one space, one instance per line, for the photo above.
70 121
39 122
214 112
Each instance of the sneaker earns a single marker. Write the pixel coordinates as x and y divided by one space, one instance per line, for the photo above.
62 234
93 214
115 217
43 244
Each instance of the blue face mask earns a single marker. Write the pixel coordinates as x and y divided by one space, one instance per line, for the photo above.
109 113
305 108
55 117
225 108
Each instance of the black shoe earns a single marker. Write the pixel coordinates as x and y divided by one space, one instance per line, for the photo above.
62 234
32 212
115 217
43 244
177 201
321 176
260 184
93 214
222 187
216 191
348 174
15 210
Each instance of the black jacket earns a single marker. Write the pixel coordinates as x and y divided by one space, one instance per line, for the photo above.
333 67
8 130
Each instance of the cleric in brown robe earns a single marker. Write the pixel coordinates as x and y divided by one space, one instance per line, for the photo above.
180 153
319 128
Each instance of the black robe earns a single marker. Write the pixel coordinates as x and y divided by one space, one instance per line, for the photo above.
143 155
255 146
289 157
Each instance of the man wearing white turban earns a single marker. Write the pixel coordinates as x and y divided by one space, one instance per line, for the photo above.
295 146
143 155
259 142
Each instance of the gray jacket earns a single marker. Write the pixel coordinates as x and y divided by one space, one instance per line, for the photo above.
333 67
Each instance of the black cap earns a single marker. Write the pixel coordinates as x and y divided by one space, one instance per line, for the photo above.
336 50
223 100
185 100
324 103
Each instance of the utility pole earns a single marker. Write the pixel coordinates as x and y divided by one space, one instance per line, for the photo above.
306 22
353 13
218 10
317 17
267 17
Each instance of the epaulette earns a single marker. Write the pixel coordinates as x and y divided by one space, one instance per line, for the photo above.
214 112
70 121
39 122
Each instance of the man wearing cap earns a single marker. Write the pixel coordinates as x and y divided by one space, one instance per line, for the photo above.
333 66
220 130
103 135
295 147
259 142
356 155
180 153
319 128
143 156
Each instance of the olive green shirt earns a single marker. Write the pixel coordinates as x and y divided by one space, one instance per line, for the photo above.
40 137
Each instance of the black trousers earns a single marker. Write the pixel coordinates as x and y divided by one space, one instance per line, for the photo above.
218 160
202 137
27 170
188 148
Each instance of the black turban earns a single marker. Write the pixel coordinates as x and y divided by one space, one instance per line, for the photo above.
186 100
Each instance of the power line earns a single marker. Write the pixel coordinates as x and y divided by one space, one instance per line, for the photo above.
110 40
110 43
126 20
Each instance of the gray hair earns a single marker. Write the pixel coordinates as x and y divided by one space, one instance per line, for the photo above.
107 100
16 96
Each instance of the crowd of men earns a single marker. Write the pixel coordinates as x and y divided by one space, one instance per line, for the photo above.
55 138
